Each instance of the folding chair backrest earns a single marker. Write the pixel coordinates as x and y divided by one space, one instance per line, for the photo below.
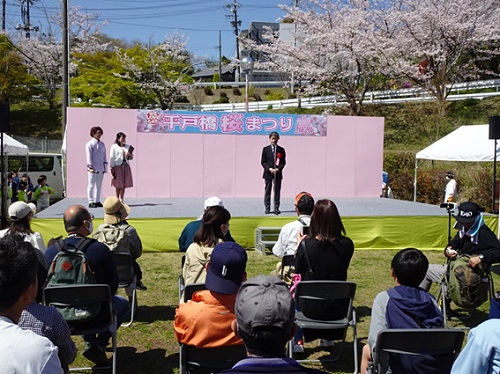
338 293
82 294
286 261
190 289
209 360
125 266
434 342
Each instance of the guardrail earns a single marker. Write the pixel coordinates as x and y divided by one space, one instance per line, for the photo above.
372 97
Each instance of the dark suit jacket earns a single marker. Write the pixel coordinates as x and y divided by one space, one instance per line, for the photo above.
267 161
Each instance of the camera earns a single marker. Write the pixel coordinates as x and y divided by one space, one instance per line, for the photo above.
449 206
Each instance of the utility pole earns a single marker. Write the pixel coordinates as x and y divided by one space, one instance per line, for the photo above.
3 14
233 8
220 57
25 16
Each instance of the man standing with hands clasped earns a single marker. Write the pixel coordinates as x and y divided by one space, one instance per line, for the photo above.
273 161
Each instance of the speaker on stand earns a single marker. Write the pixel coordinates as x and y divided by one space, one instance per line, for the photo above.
494 133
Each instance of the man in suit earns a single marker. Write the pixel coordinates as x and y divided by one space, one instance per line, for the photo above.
273 161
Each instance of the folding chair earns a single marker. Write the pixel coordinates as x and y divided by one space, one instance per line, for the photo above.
180 278
438 342
85 294
194 360
286 261
334 295
127 278
190 289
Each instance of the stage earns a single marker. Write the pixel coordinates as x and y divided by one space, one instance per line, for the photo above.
372 223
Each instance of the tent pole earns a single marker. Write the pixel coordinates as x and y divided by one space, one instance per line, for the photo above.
415 181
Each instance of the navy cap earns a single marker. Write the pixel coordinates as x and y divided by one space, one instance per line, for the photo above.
226 268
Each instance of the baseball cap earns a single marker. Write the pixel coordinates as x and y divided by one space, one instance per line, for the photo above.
226 268
213 201
467 212
114 210
18 210
304 201
265 308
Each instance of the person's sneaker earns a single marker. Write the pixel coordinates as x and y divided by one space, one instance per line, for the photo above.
326 343
141 286
298 347
98 205
97 356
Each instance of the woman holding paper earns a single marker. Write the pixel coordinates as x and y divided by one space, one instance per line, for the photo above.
121 174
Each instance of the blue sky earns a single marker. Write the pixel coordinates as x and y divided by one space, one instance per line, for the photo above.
199 20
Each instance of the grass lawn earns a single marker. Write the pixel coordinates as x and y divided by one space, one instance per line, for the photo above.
149 345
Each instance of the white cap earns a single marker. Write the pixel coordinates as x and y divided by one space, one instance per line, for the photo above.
213 201
32 207
18 210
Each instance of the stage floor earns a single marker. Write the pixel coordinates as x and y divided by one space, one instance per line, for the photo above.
251 207
372 223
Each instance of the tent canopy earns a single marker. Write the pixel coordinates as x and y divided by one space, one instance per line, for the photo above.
12 146
467 143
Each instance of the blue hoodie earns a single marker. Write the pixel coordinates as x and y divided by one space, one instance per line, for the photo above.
411 307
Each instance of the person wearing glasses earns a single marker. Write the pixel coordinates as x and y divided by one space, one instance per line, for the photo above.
78 223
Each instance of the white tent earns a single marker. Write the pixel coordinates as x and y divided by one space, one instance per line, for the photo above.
467 143
12 146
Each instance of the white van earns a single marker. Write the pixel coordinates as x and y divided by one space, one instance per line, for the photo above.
48 164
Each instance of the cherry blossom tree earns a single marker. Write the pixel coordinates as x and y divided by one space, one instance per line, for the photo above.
43 51
162 70
331 48
435 43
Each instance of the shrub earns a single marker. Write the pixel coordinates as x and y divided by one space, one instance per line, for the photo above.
223 94
222 100
181 99
274 95
208 91
236 91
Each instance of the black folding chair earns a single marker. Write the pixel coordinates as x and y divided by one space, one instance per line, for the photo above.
444 344
327 313
194 360
127 279
86 294
180 278
190 289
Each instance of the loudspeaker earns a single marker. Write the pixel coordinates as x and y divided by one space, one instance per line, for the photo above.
4 118
494 127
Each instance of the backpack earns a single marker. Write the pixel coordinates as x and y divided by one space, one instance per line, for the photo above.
115 237
70 266
467 287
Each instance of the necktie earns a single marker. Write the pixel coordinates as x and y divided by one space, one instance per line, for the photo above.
274 153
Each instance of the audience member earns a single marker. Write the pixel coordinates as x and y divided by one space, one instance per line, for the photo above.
265 315
115 217
21 351
405 306
20 215
215 224
187 235
47 321
474 238
288 238
78 224
481 354
205 320
324 254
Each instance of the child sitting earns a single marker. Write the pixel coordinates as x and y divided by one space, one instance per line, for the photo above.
406 306
42 194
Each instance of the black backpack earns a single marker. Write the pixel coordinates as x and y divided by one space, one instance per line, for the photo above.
70 266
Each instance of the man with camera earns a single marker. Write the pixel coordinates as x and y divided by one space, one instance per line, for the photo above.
474 238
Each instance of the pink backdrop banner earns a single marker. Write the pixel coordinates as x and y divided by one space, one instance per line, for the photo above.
345 163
